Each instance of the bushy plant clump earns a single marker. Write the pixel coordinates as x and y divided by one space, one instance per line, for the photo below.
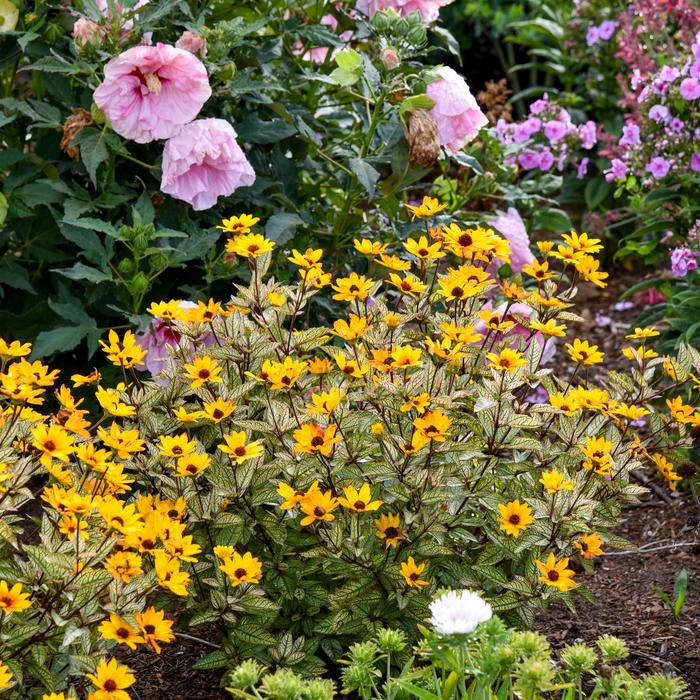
296 486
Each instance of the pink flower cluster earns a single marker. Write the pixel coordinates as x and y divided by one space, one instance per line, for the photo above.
155 92
547 138
684 258
429 9
660 138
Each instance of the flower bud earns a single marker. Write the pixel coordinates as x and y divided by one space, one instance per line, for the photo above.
192 42
612 648
97 114
86 33
391 640
579 658
139 284
246 675
390 59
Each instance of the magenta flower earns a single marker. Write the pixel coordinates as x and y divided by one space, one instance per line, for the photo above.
607 29
204 162
456 112
555 130
695 162
546 160
429 9
617 171
149 92
512 227
529 160
592 35
690 89
659 114
630 135
582 168
587 134
683 260
540 105
658 167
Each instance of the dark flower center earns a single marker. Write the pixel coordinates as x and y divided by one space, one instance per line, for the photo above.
514 519
391 532
457 292
319 511
149 629
123 633
317 441
359 505
553 575
49 446
240 573
110 685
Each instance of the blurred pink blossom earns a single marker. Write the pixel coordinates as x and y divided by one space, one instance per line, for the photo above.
192 42
512 227
429 9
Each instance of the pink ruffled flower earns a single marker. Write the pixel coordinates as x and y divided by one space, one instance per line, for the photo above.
204 162
512 227
192 42
456 112
429 9
149 92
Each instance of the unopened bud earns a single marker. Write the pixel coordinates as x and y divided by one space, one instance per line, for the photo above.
86 33
390 59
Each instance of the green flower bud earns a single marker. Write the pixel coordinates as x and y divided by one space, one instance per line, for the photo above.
363 652
612 648
391 640
534 674
227 72
126 267
660 687
529 643
283 685
579 658
30 18
385 20
319 689
96 113
357 677
418 37
139 284
53 33
246 675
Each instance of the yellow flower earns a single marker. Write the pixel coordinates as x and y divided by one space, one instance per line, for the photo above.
14 349
176 445
433 425
83 379
110 400
643 352
13 600
377 429
590 546
630 412
203 370
494 322
318 506
120 631
70 525
5 676
242 568
411 573
460 334
350 366
319 365
581 241
508 360
323 403
597 453
667 470
445 349
392 320
463 283
409 284
555 481
549 328
568 404
555 574
393 262
275 298
249 245
368 247
293 497
643 333
311 259
218 410
538 270
424 250
353 330
353 287
545 247
680 412
239 224
587 267
418 441
582 352
406 356
123 442
154 627
427 208
53 443
359 501
388 528
466 243
125 352
111 680
311 438
417 403
515 517
193 464
184 417
124 565
168 573
239 449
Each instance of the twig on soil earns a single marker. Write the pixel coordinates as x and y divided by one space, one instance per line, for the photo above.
646 549
658 660
197 639
646 481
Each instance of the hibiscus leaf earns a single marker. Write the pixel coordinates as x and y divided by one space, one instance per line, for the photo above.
93 150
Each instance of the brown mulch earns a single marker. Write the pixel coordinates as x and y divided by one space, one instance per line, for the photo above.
626 604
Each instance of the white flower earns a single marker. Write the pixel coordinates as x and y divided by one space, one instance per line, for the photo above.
459 612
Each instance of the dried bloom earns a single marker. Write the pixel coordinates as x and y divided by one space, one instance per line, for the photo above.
423 139
494 99
71 128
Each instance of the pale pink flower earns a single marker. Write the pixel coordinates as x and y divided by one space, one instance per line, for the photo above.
512 227
204 162
192 42
456 112
125 25
149 92
429 9
87 33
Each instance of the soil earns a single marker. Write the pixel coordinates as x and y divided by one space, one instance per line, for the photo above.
626 604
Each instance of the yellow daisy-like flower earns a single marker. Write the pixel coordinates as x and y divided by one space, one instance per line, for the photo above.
409 284
555 573
388 528
14 349
13 600
368 247
124 352
427 208
275 298
667 470
176 445
111 680
590 546
393 262
353 287
309 260
643 333
352 329
581 241
249 245
549 328
154 627
554 481
582 352
238 447
53 443
433 425
83 379
120 631
193 464
5 676
239 224
111 401
203 370
411 573
508 360
311 438
293 497
359 501
515 517
377 429
242 568
323 403
417 403
424 250
318 506
538 270
319 365
218 410
643 352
